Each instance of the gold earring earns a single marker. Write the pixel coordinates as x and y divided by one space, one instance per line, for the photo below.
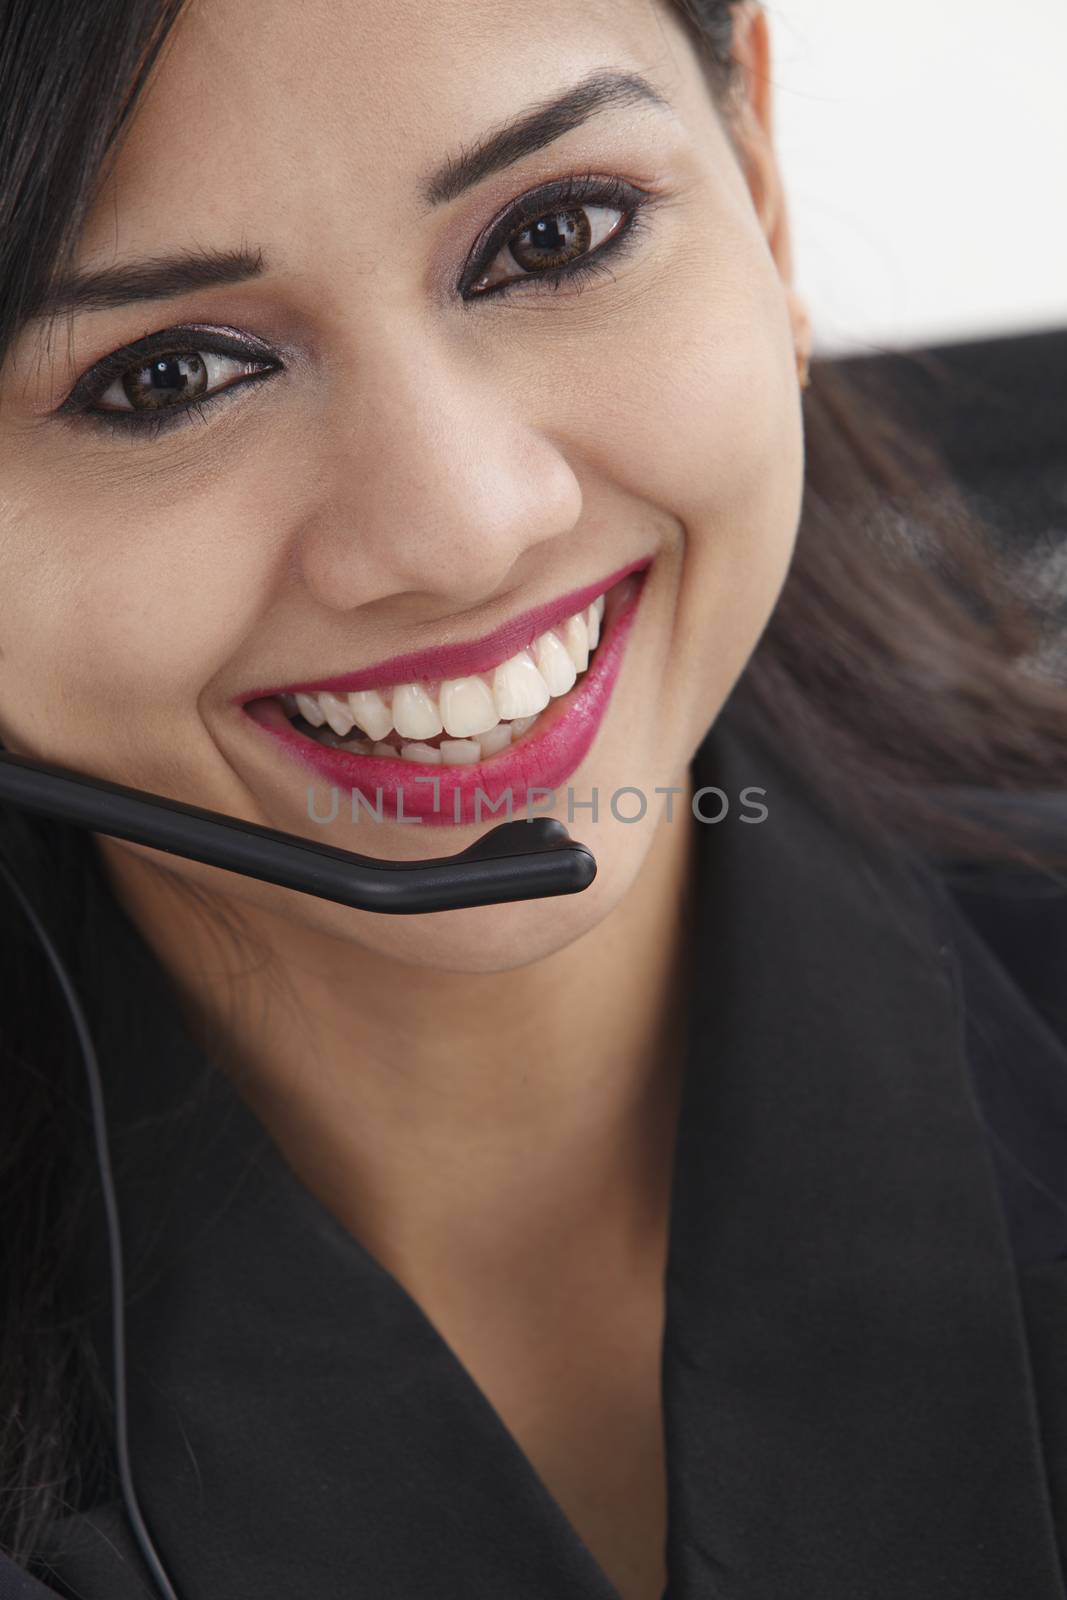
804 369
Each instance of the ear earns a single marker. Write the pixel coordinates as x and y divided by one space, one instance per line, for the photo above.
752 134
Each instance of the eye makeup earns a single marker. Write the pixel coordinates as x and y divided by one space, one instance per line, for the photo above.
566 194
189 339
563 196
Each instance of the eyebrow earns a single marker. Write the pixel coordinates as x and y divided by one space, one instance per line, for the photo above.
536 128
166 277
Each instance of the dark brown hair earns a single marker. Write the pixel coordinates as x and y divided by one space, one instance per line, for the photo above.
893 673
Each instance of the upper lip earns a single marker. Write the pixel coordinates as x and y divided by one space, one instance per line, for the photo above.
465 658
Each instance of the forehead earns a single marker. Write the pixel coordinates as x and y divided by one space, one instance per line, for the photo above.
262 105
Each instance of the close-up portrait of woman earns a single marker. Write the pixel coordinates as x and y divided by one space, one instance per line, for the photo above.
533 839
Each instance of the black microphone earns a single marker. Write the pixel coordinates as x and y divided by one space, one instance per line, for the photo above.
518 860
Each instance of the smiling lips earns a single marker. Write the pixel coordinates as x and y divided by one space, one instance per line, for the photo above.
459 703
513 720
454 721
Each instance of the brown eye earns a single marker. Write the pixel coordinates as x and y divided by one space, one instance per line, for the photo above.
553 241
164 379
171 380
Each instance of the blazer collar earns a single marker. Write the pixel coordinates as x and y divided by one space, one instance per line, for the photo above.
847 1400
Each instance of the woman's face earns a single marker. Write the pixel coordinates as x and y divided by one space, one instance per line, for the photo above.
403 458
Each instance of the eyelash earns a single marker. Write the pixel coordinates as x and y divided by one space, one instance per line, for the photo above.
565 194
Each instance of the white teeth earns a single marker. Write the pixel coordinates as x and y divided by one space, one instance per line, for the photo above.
518 688
460 752
421 752
497 738
370 712
310 710
415 714
337 713
576 638
554 663
468 707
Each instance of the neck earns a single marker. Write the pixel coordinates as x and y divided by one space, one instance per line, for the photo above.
459 1124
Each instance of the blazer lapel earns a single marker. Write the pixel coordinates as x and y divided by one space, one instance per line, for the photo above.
848 1402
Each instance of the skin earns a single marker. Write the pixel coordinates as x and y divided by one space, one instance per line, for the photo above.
480 1095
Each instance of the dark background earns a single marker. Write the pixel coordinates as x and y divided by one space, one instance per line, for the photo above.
997 409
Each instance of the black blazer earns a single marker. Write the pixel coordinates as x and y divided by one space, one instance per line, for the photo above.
865 1359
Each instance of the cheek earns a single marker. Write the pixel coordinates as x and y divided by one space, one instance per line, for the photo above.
743 465
695 420
116 608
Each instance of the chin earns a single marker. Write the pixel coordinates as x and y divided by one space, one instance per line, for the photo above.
502 938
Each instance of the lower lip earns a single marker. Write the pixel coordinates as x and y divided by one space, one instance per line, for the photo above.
531 770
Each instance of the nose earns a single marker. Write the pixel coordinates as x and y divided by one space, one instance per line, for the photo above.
435 482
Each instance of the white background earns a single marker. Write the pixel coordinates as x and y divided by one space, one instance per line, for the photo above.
923 145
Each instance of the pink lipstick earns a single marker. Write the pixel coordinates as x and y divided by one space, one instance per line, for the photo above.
494 788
